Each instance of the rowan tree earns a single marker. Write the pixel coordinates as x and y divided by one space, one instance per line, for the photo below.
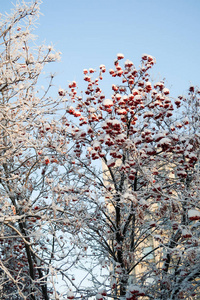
136 169
88 181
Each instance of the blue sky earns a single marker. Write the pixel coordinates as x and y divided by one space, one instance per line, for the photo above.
90 33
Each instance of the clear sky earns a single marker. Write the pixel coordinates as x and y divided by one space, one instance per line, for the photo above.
91 32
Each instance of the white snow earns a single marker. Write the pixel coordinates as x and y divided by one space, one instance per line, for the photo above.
108 102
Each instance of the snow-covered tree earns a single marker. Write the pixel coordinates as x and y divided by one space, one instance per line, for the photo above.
109 185
33 144
136 169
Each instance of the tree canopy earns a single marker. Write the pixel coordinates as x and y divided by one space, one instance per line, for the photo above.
103 185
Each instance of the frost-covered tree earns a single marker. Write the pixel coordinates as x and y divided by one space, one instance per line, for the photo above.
136 169
33 145
106 185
